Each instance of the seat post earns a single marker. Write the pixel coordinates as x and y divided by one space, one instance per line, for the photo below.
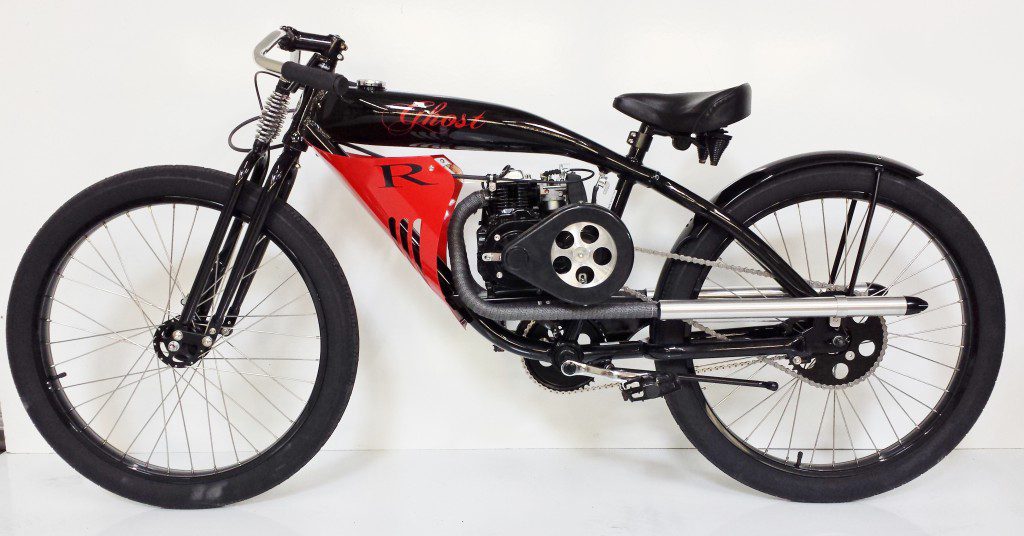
639 141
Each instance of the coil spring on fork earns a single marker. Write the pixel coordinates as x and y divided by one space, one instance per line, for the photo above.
272 117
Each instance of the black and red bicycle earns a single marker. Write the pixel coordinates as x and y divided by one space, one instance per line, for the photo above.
827 328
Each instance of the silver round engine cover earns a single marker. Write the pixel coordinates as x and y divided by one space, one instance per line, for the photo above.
581 253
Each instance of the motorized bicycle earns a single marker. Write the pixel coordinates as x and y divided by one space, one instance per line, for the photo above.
826 328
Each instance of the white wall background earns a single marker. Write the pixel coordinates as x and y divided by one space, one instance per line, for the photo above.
90 89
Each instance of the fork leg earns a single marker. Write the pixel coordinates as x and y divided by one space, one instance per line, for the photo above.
249 251
252 168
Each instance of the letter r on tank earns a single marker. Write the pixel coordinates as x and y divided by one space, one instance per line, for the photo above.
390 175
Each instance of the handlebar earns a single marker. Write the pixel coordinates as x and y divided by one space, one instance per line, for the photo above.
293 71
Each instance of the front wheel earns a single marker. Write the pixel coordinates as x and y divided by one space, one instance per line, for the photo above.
116 262
856 423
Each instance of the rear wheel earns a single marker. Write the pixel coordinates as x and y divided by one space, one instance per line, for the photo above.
101 276
861 422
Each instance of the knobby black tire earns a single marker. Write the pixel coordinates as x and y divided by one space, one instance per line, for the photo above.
327 285
949 226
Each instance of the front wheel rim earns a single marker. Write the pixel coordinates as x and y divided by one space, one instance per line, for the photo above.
179 418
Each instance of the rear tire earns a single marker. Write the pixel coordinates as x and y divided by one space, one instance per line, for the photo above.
958 411
28 344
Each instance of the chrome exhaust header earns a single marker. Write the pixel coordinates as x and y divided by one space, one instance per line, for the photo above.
819 306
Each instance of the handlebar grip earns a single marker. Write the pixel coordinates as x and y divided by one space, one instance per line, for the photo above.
315 78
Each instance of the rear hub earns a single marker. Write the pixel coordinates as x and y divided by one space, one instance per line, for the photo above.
843 355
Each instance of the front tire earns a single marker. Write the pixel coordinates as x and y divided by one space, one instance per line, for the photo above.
88 442
779 470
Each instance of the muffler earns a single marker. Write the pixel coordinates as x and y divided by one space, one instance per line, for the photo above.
469 292
818 306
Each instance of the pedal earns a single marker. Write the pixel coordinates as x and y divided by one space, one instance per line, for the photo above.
649 386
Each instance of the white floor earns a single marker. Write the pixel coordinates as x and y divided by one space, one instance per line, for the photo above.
523 492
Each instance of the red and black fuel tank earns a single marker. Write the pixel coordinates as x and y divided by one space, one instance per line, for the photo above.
380 117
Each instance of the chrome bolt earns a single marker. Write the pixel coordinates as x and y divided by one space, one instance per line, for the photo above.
207 341
850 355
798 360
177 335
225 331
497 237
173 346
838 341
212 331
499 275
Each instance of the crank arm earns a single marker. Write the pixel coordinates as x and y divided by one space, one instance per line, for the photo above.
575 368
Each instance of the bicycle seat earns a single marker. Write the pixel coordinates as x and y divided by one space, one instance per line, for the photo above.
687 113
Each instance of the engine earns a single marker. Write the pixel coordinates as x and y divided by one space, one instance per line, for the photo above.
542 237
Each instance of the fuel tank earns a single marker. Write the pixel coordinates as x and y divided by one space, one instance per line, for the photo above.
380 117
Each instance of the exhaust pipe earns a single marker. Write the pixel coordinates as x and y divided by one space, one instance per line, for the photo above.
862 289
819 306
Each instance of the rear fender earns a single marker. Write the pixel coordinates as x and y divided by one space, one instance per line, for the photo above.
773 171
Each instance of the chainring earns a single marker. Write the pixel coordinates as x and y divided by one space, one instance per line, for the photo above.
548 376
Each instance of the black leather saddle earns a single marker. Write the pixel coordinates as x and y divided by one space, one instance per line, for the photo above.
687 113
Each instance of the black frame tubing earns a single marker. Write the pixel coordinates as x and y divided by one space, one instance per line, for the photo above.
630 171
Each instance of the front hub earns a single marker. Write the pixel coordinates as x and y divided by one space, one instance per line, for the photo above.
179 346
844 355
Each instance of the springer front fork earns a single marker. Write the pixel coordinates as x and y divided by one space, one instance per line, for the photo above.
237 246
236 249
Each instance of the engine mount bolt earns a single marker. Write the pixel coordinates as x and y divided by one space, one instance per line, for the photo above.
225 331
177 335
850 355
173 346
207 341
212 331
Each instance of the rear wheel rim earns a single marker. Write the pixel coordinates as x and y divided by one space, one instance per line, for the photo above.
889 411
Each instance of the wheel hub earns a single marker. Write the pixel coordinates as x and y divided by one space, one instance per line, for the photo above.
843 356
179 347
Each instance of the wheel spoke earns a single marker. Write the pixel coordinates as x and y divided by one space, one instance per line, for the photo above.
155 424
854 435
